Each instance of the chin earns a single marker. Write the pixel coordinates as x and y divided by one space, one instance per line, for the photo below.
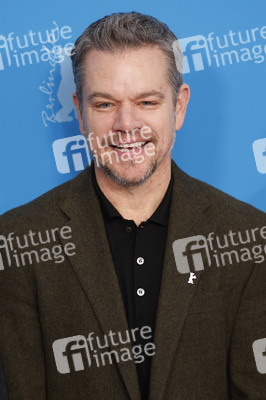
130 174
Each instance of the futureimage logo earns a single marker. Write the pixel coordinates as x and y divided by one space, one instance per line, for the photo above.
259 350
190 254
131 145
71 154
77 353
12 47
196 54
197 252
71 354
12 247
259 150
201 52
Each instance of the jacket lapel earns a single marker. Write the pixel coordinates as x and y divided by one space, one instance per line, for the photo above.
94 268
176 294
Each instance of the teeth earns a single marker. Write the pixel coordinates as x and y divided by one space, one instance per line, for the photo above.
130 145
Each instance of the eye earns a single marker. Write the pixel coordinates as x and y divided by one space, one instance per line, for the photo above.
148 103
103 105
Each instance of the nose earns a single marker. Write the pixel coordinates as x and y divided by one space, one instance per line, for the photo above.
126 119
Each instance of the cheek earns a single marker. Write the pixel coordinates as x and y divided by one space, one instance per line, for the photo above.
165 131
164 122
170 127
98 123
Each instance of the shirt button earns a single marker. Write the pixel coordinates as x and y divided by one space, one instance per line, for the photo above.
140 292
128 229
140 260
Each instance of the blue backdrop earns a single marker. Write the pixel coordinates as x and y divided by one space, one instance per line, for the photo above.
223 140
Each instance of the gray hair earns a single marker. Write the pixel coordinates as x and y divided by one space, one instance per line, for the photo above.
120 31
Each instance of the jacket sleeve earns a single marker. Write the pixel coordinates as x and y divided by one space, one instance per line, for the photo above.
21 350
3 389
247 364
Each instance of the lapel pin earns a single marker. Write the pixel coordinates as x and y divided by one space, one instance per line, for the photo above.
191 277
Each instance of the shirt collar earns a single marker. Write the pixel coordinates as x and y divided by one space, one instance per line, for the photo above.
160 215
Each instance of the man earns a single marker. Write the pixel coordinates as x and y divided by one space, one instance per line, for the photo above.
104 293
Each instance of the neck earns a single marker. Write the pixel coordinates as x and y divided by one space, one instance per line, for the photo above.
137 203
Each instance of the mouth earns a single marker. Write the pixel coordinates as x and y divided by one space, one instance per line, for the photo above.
125 147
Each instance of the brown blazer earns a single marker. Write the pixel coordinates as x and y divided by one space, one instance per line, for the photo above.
204 331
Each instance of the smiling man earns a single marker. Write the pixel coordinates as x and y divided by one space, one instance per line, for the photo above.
124 91
117 319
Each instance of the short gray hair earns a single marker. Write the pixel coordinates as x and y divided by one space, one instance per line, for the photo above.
120 31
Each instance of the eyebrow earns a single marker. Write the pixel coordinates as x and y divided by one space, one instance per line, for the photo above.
156 93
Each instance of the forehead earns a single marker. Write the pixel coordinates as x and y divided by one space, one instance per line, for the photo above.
139 69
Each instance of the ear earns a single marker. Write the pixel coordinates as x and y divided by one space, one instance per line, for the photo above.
181 105
76 103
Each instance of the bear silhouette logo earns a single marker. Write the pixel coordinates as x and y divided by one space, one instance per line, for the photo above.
65 90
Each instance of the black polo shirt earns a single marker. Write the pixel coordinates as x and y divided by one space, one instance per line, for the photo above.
138 253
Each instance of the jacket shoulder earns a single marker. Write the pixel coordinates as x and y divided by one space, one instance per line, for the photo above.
221 204
47 206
